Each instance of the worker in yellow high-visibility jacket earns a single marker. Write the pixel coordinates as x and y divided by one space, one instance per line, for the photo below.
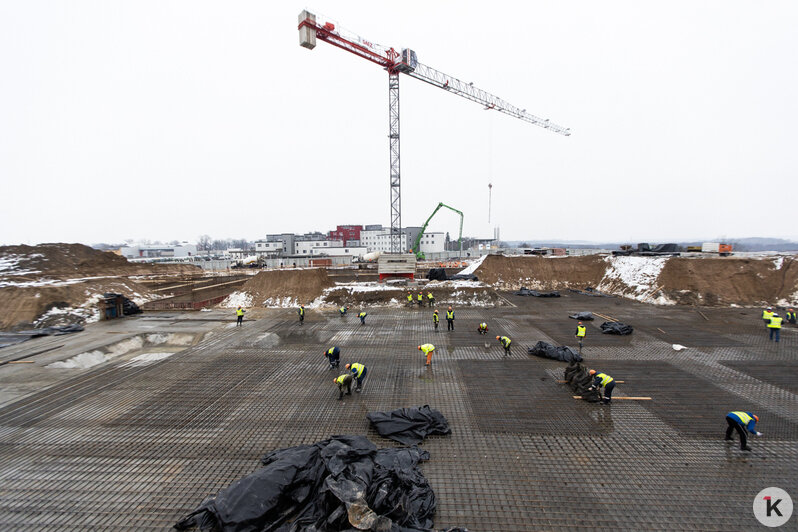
239 317
602 380
359 373
505 341
581 331
774 326
428 349
766 315
343 381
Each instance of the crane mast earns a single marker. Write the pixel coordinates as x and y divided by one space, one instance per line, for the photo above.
406 63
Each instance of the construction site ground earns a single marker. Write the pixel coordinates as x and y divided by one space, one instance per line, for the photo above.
124 445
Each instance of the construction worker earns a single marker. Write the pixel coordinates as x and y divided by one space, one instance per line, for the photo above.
428 349
430 299
420 298
742 422
362 317
410 299
774 326
602 380
791 316
359 373
450 319
301 313
505 341
436 319
343 310
766 315
333 355
581 331
344 381
239 317
482 328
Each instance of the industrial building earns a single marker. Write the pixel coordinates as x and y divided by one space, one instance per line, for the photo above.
154 251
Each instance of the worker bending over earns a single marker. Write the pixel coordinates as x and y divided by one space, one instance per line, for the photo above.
362 317
430 299
505 341
301 313
359 373
333 355
239 317
482 328
774 326
428 349
450 319
343 310
742 422
602 380
581 331
436 319
343 381
791 316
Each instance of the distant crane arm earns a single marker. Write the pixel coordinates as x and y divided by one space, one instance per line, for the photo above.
469 92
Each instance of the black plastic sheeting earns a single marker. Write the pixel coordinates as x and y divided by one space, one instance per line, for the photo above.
463 277
582 316
436 274
535 293
563 353
128 306
409 425
616 327
341 483
13 338
590 291
580 380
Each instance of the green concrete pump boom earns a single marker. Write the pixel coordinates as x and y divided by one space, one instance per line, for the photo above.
424 228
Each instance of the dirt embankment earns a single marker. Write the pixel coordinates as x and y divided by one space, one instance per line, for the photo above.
665 280
730 281
276 287
540 273
40 283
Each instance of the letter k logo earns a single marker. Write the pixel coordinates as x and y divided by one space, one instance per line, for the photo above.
772 506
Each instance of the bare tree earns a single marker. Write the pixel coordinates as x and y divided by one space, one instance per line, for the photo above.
204 242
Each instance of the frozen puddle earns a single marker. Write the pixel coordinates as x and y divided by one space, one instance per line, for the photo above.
145 359
81 361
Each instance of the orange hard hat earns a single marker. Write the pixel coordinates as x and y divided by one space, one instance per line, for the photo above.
419 348
497 337
335 381
580 323
347 366
450 307
757 418
592 371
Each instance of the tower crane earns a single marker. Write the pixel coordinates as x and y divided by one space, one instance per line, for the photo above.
406 62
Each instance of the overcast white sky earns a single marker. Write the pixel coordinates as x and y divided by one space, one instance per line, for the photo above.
170 119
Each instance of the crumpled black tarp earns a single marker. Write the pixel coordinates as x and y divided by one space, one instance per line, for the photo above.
463 277
616 327
582 316
13 338
409 425
546 350
436 274
128 306
581 382
535 293
335 484
590 291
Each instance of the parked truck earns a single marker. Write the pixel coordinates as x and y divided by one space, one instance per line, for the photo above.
724 250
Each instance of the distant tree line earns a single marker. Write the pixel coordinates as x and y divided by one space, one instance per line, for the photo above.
206 243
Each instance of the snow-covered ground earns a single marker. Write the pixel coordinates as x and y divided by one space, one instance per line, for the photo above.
237 299
473 266
639 274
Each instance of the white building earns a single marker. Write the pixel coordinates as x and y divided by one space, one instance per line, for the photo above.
380 240
262 246
149 251
432 243
309 247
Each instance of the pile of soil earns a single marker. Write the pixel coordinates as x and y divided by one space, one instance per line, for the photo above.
540 273
34 280
271 287
691 281
725 281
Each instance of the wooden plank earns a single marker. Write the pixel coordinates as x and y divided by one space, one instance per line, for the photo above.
20 362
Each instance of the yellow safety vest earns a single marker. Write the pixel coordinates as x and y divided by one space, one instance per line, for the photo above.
505 341
483 325
301 311
581 330
239 312
340 380
420 297
410 297
766 314
775 323
605 379
435 317
426 348
430 296
357 369
449 314
330 351
745 419
361 315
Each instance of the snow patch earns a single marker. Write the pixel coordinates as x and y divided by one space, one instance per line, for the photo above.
637 276
81 361
778 262
237 299
473 266
145 359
